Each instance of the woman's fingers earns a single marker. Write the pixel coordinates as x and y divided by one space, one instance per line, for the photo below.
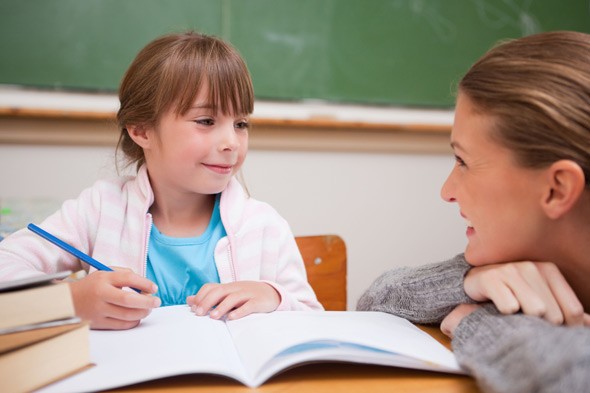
569 304
536 288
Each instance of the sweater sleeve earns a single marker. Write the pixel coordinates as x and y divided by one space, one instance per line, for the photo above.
518 353
424 294
291 278
24 254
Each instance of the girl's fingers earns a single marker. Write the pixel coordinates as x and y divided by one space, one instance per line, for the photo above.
209 296
227 304
245 309
125 314
134 300
109 307
125 278
114 324
236 299
203 292
128 298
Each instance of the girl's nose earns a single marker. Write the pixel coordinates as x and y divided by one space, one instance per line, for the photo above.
229 140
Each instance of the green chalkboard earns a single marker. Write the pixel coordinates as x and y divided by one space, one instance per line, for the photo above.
401 52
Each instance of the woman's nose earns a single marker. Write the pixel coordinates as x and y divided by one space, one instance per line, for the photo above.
447 189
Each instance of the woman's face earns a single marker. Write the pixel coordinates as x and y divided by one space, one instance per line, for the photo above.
500 200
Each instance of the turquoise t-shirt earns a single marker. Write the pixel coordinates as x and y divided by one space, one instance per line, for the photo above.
180 266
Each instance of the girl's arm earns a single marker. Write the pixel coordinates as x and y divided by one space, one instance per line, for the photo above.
24 253
290 279
98 297
519 353
277 281
424 294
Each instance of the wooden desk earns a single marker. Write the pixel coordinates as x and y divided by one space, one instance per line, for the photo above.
323 378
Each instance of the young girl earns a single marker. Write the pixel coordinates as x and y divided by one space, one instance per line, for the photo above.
521 138
183 228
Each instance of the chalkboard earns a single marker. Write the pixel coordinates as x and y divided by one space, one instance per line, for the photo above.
392 52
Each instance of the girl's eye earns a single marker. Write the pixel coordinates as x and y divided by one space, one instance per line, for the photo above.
205 122
242 125
459 161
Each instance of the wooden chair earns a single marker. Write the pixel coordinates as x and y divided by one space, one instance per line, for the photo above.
325 262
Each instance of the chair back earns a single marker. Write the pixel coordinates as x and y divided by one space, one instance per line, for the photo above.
325 262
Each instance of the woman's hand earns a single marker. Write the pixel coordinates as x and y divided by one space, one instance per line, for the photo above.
100 298
451 321
536 288
236 299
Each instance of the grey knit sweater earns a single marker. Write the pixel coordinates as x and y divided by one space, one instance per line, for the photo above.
424 294
505 353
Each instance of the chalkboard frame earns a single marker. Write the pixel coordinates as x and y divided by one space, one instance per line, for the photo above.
374 52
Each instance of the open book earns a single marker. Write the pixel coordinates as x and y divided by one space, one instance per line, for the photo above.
174 341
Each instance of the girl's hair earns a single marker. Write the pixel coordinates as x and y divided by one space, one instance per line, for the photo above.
537 89
169 72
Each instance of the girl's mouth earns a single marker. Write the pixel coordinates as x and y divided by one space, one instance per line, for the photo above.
221 169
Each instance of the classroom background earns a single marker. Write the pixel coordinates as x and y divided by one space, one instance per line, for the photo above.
352 120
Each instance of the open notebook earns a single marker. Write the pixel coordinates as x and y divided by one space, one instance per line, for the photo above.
174 341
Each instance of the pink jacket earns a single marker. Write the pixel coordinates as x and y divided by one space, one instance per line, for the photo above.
110 222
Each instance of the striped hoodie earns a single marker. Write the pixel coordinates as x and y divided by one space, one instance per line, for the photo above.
110 222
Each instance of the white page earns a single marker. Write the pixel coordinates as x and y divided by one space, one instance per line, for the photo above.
260 337
170 341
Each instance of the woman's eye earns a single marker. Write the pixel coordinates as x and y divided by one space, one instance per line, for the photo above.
459 161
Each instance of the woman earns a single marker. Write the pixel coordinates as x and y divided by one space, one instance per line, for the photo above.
521 138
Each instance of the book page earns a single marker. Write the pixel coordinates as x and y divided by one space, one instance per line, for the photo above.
268 343
170 341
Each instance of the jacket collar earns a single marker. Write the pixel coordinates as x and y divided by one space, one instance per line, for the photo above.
231 205
144 188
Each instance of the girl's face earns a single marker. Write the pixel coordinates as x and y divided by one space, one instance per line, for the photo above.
197 152
499 199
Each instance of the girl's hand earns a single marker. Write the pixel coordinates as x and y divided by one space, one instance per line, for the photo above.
236 299
100 299
536 288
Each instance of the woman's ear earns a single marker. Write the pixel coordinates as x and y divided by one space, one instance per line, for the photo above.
565 185
140 135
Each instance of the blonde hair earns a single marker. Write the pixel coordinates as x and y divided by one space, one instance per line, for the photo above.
537 88
169 72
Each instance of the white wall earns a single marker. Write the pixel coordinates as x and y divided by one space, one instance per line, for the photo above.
385 206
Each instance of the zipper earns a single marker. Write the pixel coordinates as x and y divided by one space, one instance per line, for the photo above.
230 260
225 221
147 242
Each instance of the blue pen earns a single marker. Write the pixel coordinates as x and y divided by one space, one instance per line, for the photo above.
74 251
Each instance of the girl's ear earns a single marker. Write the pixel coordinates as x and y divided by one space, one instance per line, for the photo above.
565 185
139 134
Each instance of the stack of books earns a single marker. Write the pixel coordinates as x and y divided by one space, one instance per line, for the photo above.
41 339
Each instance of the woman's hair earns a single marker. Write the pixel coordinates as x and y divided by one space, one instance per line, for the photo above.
537 89
169 73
